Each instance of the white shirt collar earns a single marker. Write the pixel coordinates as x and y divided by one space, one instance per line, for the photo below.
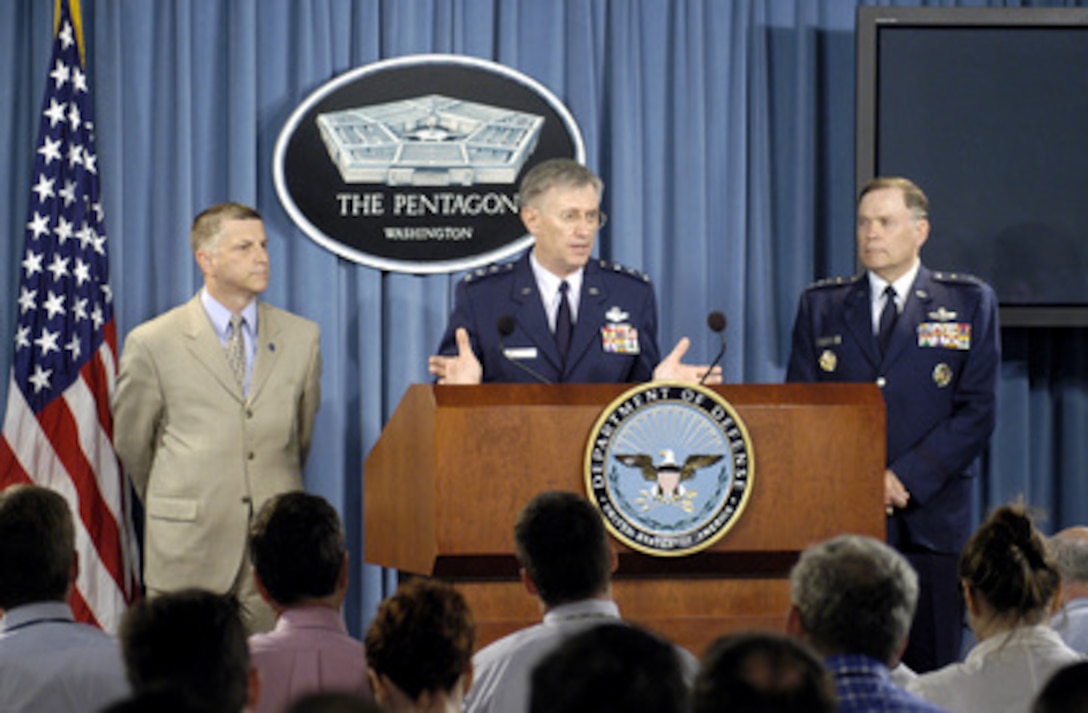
547 282
902 286
583 609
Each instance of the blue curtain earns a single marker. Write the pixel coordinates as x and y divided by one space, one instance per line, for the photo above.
723 129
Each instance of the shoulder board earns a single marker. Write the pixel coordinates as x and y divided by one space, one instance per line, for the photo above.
488 271
835 282
960 278
618 269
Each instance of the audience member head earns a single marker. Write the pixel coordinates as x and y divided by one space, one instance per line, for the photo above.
610 668
759 671
207 225
1065 692
853 595
37 546
563 549
190 640
333 703
561 172
1009 578
297 547
419 647
1070 551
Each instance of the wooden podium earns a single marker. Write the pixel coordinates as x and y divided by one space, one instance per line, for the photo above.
455 464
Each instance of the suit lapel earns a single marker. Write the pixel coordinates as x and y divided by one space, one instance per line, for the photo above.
203 342
268 349
530 312
859 320
590 315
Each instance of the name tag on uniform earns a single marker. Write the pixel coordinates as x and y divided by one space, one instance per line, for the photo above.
519 353
945 335
619 339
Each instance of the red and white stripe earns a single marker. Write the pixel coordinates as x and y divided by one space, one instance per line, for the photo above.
68 448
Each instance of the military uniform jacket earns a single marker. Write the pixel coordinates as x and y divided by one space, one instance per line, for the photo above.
202 455
938 378
615 335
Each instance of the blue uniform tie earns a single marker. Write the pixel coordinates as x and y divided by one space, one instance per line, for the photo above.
887 320
564 325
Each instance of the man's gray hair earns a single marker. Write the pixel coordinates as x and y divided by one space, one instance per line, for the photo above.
913 196
1071 555
854 595
564 172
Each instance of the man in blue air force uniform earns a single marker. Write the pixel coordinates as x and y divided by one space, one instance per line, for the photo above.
555 315
938 373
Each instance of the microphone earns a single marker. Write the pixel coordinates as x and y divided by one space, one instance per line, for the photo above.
505 324
716 321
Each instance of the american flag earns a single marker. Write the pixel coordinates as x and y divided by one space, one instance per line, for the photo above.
58 429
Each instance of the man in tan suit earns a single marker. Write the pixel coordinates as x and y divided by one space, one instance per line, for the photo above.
212 417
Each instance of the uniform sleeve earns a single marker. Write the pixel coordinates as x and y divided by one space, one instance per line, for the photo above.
137 407
802 363
949 448
462 316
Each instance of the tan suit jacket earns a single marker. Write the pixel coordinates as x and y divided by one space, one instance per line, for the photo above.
201 455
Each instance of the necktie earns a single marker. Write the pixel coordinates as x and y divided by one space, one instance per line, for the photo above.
564 325
236 353
887 319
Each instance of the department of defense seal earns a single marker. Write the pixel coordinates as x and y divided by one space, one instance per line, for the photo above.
670 467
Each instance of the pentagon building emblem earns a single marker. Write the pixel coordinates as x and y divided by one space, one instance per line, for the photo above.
412 164
670 466
429 141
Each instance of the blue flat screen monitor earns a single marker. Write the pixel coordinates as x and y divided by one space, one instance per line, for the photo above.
987 110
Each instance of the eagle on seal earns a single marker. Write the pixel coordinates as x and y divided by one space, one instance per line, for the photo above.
667 475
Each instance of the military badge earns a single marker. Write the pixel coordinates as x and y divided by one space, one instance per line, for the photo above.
942 375
616 315
945 335
619 339
828 361
670 467
942 315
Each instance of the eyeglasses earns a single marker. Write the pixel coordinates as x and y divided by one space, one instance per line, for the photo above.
571 219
